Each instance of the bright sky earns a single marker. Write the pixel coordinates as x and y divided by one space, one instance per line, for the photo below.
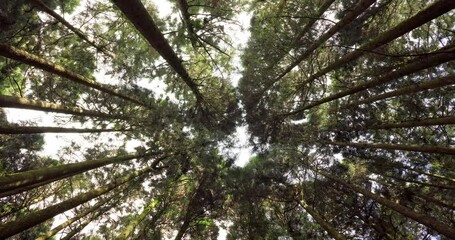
55 142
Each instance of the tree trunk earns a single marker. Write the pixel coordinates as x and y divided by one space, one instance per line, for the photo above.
42 6
297 39
79 216
431 12
430 60
425 220
135 11
435 83
324 224
11 228
407 124
135 222
183 7
182 230
36 61
50 174
348 18
403 147
25 103
36 130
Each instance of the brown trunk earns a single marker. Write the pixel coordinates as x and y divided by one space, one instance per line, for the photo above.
29 178
431 12
407 124
435 83
36 61
42 6
135 11
430 60
35 130
324 224
423 219
11 228
79 216
25 103
348 18
403 147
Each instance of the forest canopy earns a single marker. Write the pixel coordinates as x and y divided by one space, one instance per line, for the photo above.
349 106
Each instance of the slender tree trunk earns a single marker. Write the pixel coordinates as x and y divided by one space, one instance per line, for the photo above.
433 175
430 60
297 39
435 83
183 7
406 124
25 103
35 130
11 228
50 174
403 147
348 18
431 12
38 62
182 230
423 219
79 216
126 234
42 6
76 230
324 224
135 11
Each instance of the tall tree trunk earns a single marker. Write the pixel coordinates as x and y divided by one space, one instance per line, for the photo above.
348 18
405 124
25 103
183 7
318 218
50 174
297 39
38 62
423 219
435 83
42 6
433 175
182 230
403 147
126 234
79 216
135 11
431 12
430 60
35 130
11 228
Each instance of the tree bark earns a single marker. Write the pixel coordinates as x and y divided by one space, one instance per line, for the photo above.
430 60
50 174
79 216
126 234
435 83
425 220
403 147
348 18
324 224
36 130
25 103
135 11
183 7
11 228
297 39
431 12
405 124
43 7
38 62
